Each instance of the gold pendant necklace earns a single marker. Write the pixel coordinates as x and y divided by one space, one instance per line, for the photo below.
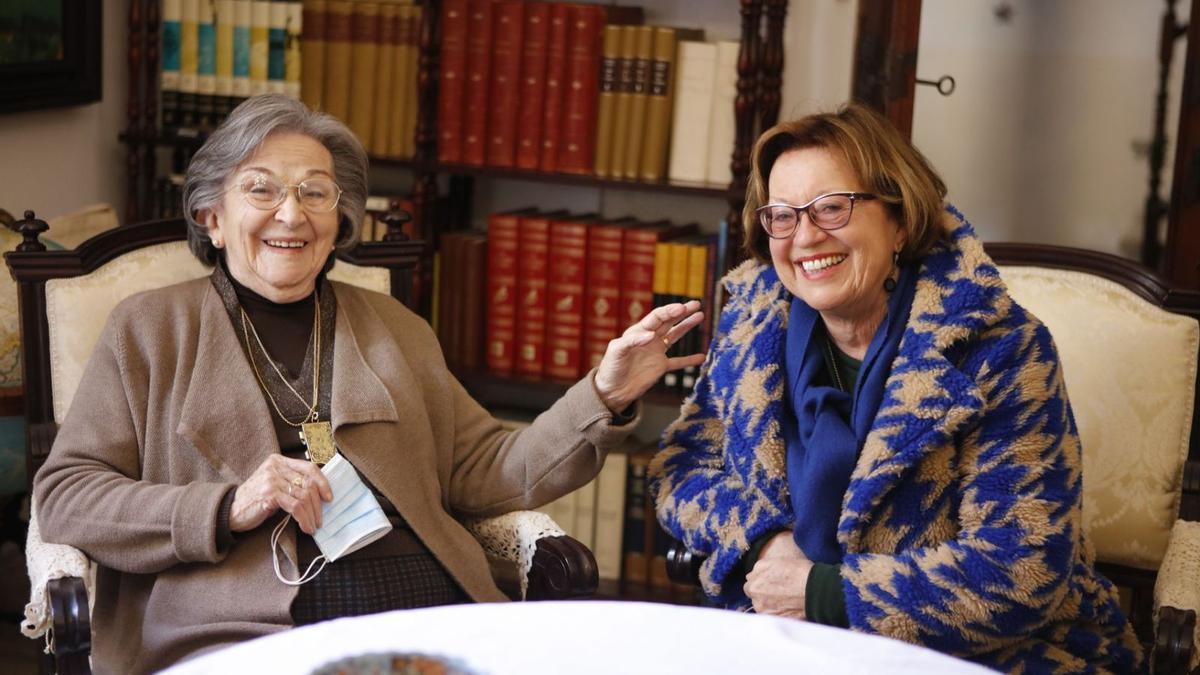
317 436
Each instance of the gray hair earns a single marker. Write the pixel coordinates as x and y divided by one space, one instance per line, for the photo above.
237 138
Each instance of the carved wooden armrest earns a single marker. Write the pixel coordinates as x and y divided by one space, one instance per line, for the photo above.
549 565
72 625
1176 600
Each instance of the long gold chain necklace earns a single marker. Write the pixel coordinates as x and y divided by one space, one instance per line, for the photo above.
317 436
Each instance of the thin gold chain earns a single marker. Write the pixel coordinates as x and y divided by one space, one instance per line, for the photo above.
837 376
312 415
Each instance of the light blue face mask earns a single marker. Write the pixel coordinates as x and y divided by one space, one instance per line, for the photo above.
351 521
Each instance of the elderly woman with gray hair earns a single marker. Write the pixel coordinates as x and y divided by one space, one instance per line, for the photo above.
234 437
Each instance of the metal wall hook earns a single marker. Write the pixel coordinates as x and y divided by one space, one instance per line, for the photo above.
944 84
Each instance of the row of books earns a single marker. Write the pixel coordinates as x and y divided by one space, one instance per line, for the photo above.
541 294
613 515
360 65
215 53
519 82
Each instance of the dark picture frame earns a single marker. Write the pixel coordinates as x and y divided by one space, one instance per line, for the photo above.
73 79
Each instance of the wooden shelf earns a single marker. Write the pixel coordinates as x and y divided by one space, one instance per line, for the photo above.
495 391
693 189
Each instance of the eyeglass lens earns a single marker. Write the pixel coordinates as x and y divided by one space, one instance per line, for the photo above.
266 192
828 213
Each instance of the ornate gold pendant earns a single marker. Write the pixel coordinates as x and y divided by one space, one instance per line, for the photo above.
318 438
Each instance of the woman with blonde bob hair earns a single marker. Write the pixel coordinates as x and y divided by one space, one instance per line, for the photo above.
880 438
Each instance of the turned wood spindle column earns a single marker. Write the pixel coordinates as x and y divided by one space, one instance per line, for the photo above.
746 115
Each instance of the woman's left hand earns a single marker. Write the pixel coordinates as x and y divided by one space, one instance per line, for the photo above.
777 583
636 360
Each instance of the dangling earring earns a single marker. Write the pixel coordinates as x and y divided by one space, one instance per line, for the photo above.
889 284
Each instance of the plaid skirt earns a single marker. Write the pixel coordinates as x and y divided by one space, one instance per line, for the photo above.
351 587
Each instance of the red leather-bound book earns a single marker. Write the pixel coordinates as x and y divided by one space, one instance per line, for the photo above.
508 27
577 142
601 295
556 73
536 36
503 254
479 68
564 301
637 267
533 241
452 80
474 299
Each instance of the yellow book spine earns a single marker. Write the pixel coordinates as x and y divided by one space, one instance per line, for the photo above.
643 57
606 113
336 95
656 139
385 78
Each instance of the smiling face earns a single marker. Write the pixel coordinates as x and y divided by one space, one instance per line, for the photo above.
839 273
279 252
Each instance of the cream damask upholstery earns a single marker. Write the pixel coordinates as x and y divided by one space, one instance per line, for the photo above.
1130 369
141 270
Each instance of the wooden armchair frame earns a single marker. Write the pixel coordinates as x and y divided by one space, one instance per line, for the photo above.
1169 647
562 567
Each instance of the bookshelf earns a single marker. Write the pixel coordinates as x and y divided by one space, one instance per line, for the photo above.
441 194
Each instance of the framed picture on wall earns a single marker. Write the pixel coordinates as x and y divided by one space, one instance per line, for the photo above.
49 53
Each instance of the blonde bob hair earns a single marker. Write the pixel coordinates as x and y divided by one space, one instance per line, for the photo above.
885 162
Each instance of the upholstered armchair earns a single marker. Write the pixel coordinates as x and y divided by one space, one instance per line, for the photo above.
1129 345
65 297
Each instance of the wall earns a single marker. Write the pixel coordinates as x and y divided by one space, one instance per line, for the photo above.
1039 142
56 161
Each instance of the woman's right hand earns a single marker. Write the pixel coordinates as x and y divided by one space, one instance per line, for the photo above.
295 485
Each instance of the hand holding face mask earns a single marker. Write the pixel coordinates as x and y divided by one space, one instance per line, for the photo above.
349 522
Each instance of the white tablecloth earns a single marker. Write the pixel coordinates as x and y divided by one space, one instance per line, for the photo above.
580 638
583 637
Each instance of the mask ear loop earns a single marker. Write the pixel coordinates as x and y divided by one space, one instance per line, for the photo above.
309 574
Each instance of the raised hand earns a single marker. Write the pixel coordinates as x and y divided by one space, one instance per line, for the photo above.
295 485
638 358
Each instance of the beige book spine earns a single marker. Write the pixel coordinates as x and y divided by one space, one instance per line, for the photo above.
608 99
643 58
364 56
691 119
610 512
651 168
385 79
337 58
410 96
312 54
724 122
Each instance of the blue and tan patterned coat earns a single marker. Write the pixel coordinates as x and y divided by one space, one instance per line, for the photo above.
961 525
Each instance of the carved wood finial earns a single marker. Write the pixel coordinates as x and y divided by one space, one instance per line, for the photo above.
394 221
30 228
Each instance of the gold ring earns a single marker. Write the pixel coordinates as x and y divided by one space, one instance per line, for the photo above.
298 481
666 342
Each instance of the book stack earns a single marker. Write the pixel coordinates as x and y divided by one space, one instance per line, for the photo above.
459 287
360 65
552 316
215 53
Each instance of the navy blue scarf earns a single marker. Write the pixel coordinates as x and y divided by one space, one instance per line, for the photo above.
827 427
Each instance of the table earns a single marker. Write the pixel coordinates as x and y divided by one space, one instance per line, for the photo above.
583 637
